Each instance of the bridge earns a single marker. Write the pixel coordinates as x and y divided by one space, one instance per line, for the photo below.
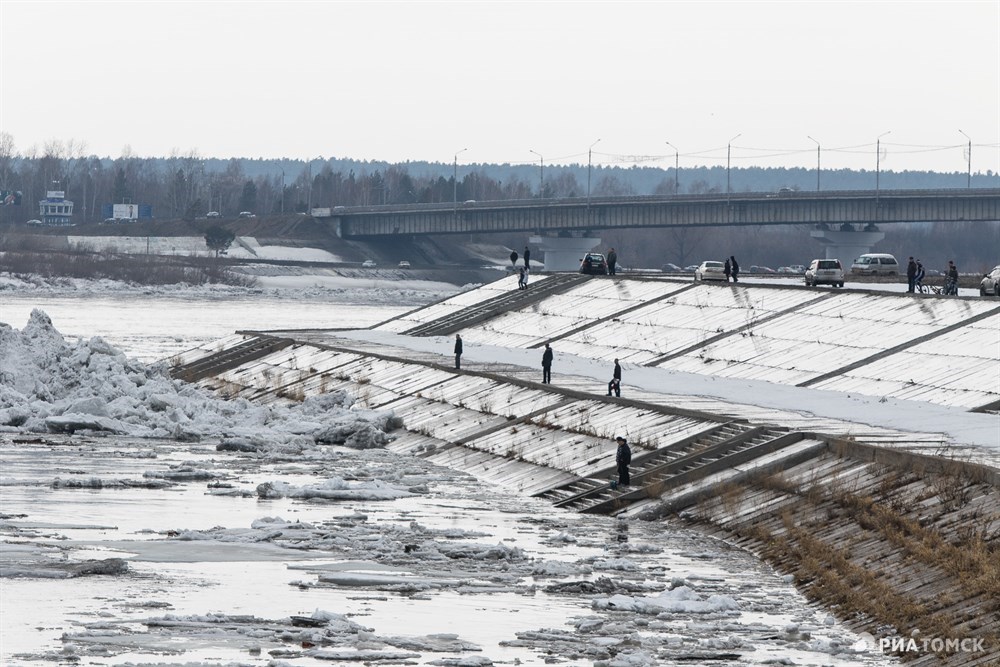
847 222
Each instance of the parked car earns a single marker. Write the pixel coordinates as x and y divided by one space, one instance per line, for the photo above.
213 214
990 283
33 223
785 270
691 268
710 270
594 264
760 269
671 268
368 264
403 264
247 214
797 268
875 264
825 272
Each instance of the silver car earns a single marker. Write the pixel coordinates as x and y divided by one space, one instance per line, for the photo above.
990 283
825 272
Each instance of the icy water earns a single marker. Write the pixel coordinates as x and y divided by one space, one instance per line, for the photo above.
458 573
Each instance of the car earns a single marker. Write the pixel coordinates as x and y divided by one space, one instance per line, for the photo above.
875 264
403 264
710 270
671 268
797 268
368 264
594 264
470 201
247 214
691 268
825 272
784 270
213 214
990 284
765 269
33 223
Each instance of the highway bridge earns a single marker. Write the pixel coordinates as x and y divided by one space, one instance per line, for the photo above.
836 210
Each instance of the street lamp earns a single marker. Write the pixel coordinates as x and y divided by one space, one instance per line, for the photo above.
878 159
589 154
729 150
455 180
541 172
677 164
817 162
969 185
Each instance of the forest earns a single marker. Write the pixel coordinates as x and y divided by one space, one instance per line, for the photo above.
187 187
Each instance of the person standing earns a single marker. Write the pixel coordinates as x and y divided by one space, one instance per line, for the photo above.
727 269
458 351
527 256
547 365
911 275
513 258
612 261
623 456
951 286
734 267
522 278
616 381
918 279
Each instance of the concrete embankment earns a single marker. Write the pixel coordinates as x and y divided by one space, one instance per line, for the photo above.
898 532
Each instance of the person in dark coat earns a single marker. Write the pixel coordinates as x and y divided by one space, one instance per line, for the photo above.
547 365
458 351
522 278
513 258
616 381
734 267
951 284
727 269
623 456
918 279
612 261
527 256
911 275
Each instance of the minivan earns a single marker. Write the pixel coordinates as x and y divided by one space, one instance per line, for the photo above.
876 264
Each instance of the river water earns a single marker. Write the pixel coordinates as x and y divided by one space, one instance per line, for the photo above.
501 607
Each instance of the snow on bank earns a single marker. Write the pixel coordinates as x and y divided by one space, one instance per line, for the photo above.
377 288
50 386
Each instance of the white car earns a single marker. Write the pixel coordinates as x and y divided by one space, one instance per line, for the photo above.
247 214
368 264
710 270
403 264
990 283
213 214
825 272
33 223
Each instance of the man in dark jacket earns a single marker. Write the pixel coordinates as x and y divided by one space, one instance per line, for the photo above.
458 351
527 256
612 261
734 267
727 269
616 381
623 456
911 275
513 258
547 365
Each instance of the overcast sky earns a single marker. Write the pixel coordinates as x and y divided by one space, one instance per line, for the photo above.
424 80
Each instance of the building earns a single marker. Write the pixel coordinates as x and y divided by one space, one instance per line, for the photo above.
55 209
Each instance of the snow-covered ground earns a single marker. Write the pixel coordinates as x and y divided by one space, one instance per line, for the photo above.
219 532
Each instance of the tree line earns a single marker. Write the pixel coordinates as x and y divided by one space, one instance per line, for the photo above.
188 186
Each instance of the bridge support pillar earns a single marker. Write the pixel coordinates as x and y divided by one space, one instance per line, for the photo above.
563 253
846 245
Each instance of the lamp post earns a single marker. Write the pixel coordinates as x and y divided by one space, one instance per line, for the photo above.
455 180
878 160
541 172
817 161
729 150
282 190
677 164
969 182
589 155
